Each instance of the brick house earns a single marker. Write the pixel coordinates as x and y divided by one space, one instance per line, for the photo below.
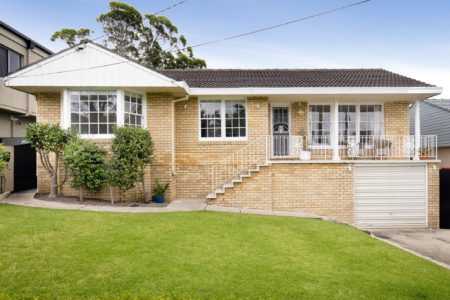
330 142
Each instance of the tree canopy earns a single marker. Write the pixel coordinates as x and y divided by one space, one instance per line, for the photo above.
152 40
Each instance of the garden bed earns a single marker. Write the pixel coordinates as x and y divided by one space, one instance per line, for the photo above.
97 202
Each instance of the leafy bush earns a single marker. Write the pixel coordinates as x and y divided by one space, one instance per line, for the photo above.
160 189
49 140
132 150
4 159
86 163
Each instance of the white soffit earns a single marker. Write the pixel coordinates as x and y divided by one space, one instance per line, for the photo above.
90 66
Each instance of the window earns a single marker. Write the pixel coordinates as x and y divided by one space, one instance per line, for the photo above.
133 110
370 122
347 122
319 124
235 119
93 112
223 119
10 61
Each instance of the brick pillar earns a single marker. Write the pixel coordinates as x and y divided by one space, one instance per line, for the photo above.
159 123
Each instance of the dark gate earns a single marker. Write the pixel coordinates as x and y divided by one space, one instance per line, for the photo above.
24 168
444 192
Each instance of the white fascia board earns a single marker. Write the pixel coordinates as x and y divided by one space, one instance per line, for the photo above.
314 91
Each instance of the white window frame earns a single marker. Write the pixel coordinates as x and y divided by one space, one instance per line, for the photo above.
222 120
358 119
120 110
331 125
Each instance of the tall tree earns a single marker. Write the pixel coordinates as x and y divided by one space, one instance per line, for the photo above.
72 36
152 40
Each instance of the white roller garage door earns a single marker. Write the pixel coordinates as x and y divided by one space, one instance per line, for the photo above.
391 196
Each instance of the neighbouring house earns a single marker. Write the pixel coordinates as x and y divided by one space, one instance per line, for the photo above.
435 119
17 109
334 142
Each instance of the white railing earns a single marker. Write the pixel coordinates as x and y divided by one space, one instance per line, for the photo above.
249 157
262 149
393 147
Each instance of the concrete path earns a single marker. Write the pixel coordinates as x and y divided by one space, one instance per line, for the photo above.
27 199
430 244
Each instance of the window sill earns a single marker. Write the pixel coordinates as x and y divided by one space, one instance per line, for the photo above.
96 136
224 141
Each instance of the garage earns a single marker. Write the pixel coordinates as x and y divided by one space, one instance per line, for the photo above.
391 196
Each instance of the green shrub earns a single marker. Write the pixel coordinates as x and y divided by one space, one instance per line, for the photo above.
132 151
86 163
4 159
49 140
160 189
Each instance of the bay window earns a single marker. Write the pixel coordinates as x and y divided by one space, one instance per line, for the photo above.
97 113
223 119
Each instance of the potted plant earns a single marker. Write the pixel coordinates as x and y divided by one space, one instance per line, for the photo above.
159 190
425 152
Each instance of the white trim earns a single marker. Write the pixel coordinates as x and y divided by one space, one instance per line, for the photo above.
222 120
120 109
315 91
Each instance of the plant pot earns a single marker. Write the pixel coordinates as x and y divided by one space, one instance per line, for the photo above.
423 157
158 198
305 155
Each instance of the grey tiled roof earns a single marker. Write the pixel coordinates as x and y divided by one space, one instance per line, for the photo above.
442 103
237 78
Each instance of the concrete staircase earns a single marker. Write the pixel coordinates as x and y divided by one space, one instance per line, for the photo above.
238 179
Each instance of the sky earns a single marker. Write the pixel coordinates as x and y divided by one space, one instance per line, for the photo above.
410 37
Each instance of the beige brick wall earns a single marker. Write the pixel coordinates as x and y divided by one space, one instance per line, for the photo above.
396 118
323 189
194 158
433 195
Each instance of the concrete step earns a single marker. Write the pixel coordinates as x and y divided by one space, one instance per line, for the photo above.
228 185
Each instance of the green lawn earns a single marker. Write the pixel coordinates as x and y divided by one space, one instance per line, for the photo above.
71 254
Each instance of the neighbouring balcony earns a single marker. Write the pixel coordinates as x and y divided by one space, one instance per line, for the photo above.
370 147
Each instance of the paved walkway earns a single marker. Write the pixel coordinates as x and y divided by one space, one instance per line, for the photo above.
27 199
430 244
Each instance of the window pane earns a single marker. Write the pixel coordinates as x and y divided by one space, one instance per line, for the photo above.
93 129
103 129
93 118
84 129
14 61
3 62
133 109
74 118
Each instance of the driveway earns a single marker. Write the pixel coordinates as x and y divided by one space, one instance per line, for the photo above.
434 244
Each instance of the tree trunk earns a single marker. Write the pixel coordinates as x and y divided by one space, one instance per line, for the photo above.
111 194
81 194
54 181
144 192
53 186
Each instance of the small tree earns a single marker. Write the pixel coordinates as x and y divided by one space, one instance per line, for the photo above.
49 140
132 150
86 163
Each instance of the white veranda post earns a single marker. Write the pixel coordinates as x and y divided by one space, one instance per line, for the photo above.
417 129
335 127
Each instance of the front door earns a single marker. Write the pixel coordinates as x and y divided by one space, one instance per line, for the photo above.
280 130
